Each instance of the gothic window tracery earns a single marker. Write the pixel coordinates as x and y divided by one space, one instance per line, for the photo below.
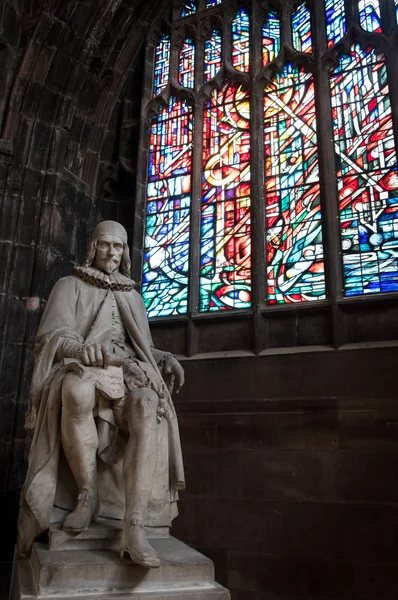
232 223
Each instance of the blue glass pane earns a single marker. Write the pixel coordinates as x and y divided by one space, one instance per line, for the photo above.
336 25
162 65
188 8
366 171
301 29
212 63
369 15
271 38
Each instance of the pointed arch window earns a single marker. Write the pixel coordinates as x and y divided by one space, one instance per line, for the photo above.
301 28
369 15
162 65
336 24
271 174
168 206
271 36
240 41
188 8
212 55
366 169
225 256
295 261
186 64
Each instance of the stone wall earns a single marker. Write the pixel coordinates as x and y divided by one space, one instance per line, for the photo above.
291 464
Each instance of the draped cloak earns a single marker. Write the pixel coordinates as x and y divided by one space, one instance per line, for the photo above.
82 312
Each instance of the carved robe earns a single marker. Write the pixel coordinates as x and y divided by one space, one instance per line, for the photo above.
80 309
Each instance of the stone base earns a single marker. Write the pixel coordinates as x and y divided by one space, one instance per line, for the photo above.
184 574
103 534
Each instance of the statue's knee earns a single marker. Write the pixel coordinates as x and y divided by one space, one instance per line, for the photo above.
78 396
143 404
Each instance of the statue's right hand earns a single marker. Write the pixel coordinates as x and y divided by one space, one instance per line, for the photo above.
95 355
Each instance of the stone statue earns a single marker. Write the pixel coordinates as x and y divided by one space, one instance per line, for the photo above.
106 439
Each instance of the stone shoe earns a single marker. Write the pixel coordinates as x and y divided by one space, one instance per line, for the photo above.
80 517
135 543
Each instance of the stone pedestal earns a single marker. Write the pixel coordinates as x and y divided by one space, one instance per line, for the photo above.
89 565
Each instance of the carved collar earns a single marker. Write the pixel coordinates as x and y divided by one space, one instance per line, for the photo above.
115 281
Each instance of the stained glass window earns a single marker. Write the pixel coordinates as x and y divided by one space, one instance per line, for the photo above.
336 25
188 8
271 37
186 70
212 61
198 253
167 232
225 258
295 265
396 10
301 28
240 41
369 15
162 65
366 172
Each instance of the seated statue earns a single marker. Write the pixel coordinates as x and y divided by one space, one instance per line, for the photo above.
106 439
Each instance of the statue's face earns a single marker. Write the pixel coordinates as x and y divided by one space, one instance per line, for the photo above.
109 253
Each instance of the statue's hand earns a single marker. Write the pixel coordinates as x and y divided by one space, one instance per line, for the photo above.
173 371
31 419
95 355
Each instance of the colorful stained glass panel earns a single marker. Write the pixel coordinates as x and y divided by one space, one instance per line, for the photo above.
212 62
225 258
295 265
336 24
396 10
167 231
301 29
210 3
369 15
240 41
162 65
188 8
186 64
271 38
366 169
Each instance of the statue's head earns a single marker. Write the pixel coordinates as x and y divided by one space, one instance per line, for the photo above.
108 250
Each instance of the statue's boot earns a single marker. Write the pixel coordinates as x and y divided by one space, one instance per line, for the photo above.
84 512
135 543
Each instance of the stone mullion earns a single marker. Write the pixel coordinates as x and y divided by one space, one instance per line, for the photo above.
258 263
388 19
196 198
351 14
329 196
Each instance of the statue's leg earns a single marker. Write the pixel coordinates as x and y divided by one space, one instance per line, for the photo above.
80 443
139 467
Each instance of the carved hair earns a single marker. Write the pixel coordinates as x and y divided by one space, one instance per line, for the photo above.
125 264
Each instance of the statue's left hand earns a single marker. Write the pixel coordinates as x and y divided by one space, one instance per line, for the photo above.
174 371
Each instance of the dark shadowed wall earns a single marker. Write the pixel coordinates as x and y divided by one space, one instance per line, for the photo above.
291 455
70 85
291 463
